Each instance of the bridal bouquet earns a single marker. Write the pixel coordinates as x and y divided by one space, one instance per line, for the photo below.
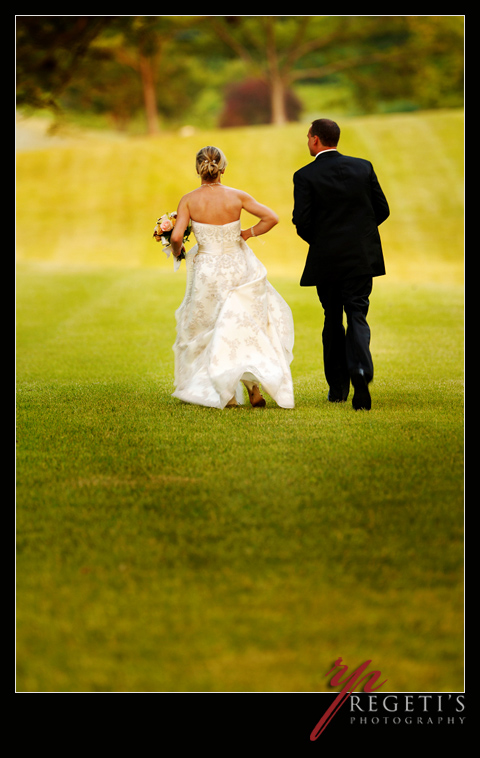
163 231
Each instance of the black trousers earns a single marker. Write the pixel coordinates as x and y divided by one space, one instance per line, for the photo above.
345 351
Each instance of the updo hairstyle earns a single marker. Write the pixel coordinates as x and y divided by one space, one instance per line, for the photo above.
210 162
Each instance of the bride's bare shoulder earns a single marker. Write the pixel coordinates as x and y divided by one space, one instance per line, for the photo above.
188 195
235 189
188 199
239 193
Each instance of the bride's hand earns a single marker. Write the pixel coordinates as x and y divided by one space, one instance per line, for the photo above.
245 234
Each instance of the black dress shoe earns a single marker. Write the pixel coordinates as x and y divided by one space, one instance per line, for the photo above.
338 395
361 396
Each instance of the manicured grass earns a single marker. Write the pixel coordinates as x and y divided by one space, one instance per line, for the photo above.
164 546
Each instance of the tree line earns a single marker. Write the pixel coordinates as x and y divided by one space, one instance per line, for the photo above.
160 66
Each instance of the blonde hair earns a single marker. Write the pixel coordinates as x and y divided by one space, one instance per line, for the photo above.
210 162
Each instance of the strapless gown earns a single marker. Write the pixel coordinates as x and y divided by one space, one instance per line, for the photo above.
232 324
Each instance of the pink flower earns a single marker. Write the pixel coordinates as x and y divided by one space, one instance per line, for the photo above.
166 225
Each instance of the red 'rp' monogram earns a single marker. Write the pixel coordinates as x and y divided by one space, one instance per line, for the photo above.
350 684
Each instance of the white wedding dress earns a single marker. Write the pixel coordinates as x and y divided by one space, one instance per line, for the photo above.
231 325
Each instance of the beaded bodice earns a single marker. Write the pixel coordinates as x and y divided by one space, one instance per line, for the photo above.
217 238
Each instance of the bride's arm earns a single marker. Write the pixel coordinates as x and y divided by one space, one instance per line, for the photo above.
176 237
267 218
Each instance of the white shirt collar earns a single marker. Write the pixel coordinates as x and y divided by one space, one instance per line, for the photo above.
330 149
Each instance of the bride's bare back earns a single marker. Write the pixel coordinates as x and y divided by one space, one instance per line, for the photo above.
217 204
214 204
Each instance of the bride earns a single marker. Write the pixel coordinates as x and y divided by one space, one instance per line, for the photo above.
232 326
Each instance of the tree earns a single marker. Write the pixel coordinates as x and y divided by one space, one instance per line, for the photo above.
288 49
428 74
58 55
49 49
281 49
137 43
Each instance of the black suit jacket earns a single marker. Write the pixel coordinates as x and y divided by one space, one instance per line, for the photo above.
338 206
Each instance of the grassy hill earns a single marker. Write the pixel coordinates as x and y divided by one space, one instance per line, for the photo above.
96 201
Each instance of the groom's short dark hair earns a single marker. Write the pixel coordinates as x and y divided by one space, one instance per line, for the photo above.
326 130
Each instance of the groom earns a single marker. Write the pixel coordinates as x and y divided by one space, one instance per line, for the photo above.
338 205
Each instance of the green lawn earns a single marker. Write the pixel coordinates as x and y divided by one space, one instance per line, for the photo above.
167 547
